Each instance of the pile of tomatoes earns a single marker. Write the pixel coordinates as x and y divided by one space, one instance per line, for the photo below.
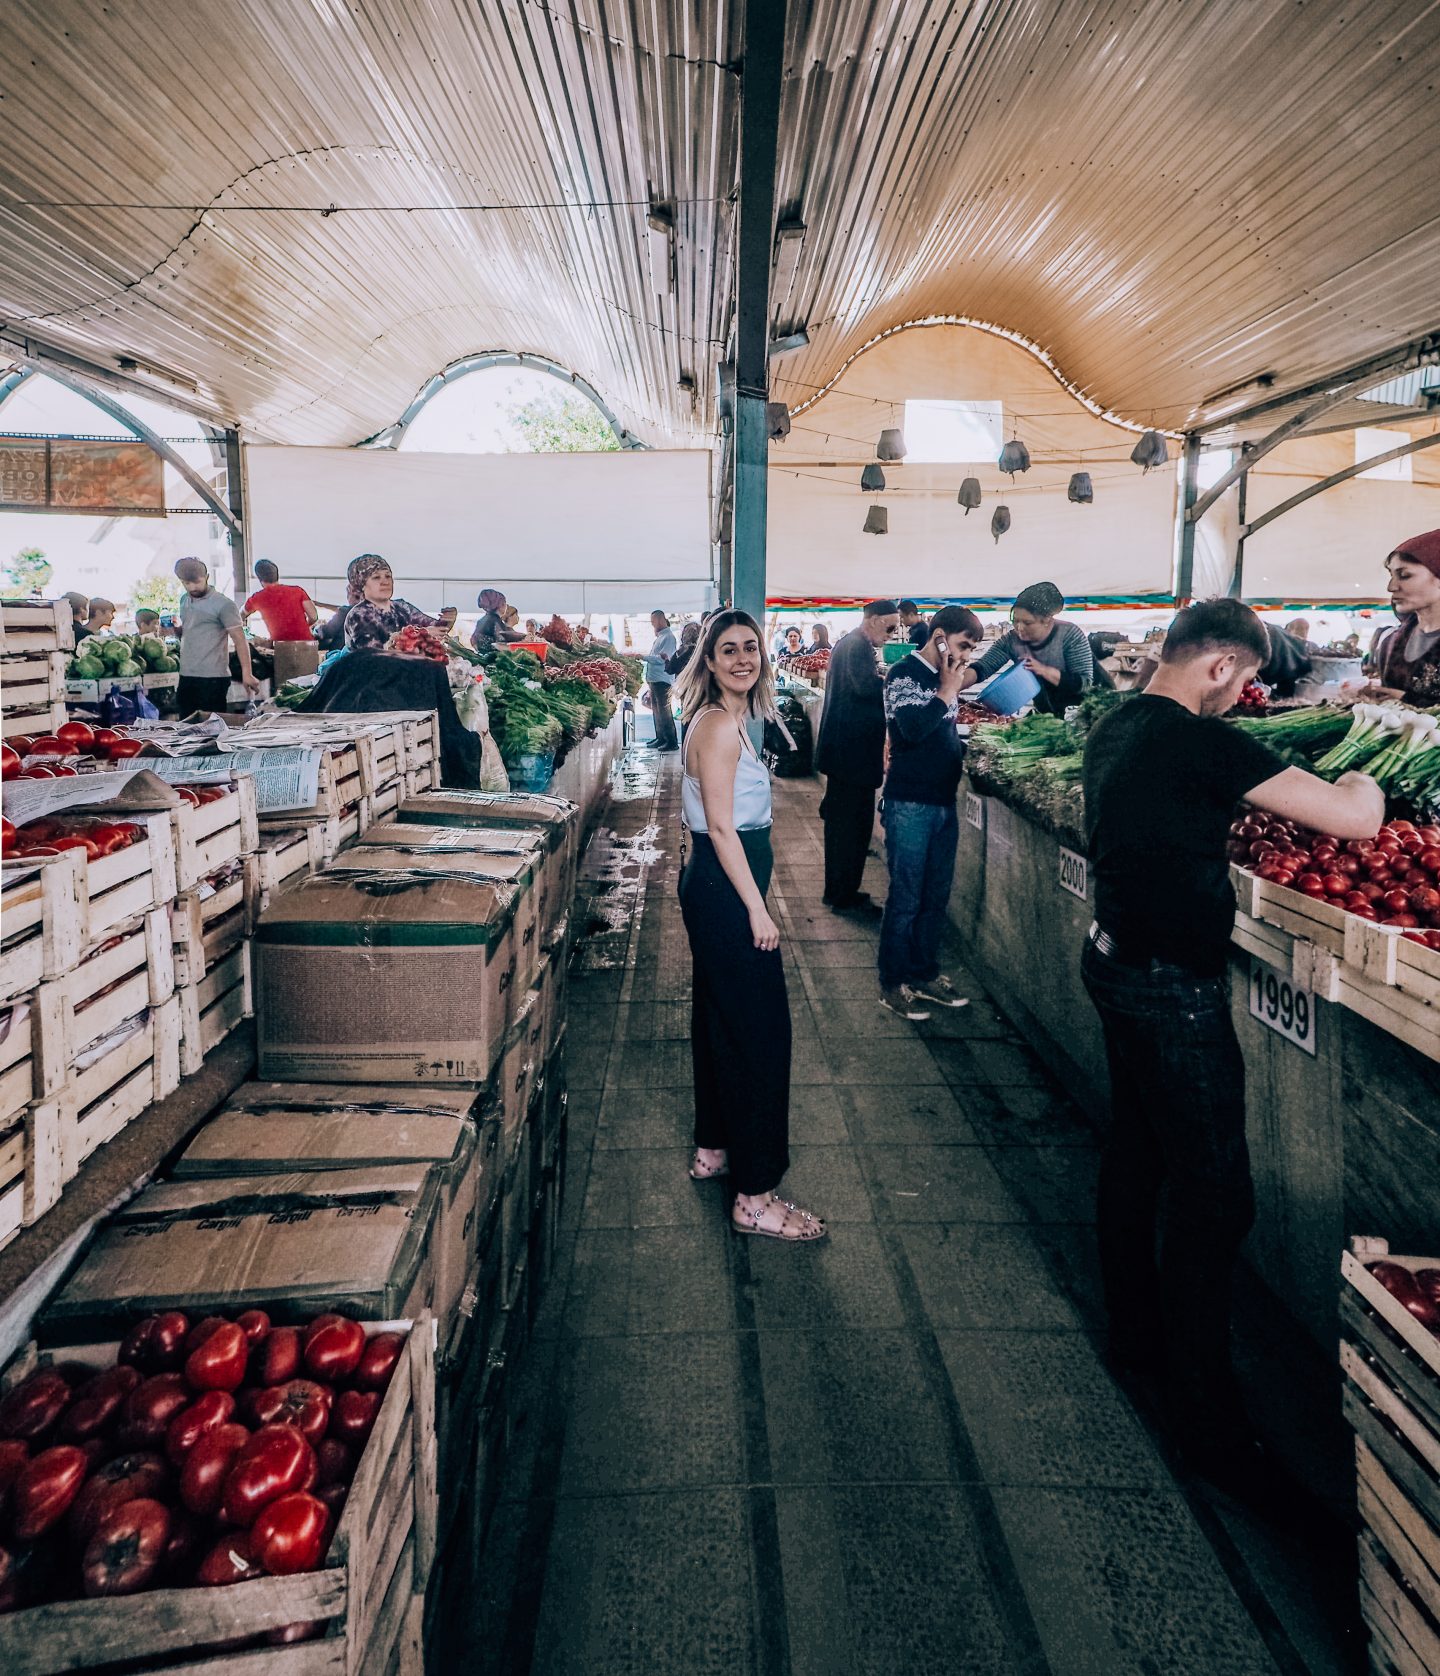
49 834
1418 1290
211 1453
1392 878
70 739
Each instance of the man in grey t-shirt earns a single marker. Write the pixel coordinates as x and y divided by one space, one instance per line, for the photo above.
209 626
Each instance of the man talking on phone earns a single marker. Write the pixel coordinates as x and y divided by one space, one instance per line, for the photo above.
922 827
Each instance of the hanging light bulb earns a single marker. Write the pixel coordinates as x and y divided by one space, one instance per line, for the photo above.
872 480
1152 450
1081 490
969 496
999 521
1014 456
877 521
891 445
777 420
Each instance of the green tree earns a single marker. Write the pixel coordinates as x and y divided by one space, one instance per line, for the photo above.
26 575
156 593
562 424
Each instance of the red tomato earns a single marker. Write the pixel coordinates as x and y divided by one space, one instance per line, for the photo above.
183 1549
354 1416
300 1403
140 1474
20 743
334 1496
1365 911
187 794
34 1407
126 1551
229 1561
123 749
278 1358
1405 919
36 774
336 1462
1370 891
1336 884
77 736
45 1488
274 1462
1346 864
10 764
107 736
97 1406
290 1534
75 842
378 1362
207 1466
47 745
1261 848
131 832
1429 859
201 1331
1421 937
156 1344
150 1408
255 1324
191 1424
218 1363
1424 899
334 1345
1395 901
1311 883
13 1456
1355 900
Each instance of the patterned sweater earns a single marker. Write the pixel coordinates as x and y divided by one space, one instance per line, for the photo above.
926 753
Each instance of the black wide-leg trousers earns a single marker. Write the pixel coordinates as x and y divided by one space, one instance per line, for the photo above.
740 1020
848 811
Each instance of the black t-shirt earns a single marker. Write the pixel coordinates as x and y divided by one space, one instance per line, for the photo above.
1161 785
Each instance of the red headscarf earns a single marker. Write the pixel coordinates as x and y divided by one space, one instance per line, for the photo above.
1423 550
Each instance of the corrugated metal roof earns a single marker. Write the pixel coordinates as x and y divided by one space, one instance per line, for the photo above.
1169 199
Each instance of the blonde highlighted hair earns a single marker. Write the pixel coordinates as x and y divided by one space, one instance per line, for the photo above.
696 687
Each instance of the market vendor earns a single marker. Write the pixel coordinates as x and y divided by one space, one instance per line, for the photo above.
794 645
375 615
210 628
1406 658
1163 773
819 639
492 629
1057 654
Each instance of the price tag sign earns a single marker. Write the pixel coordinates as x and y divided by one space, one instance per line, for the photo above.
1074 873
1282 1006
975 811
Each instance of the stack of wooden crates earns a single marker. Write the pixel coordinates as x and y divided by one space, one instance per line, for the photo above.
1391 1363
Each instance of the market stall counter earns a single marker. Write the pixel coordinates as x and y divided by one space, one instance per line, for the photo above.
366 682
1344 1125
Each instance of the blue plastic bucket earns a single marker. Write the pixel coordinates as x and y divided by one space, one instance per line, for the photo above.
1009 692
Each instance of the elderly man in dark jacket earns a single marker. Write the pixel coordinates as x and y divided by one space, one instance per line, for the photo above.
850 753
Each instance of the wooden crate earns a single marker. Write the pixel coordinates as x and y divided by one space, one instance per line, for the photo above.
215 834
208 923
369 1593
36 720
133 881
102 1098
291 854
38 625
211 1009
1391 1398
44 919
1318 922
32 681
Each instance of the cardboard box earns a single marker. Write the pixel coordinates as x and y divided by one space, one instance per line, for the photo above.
268 1128
415 836
514 869
556 816
294 1245
385 975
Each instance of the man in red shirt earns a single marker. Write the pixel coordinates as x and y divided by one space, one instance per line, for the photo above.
289 615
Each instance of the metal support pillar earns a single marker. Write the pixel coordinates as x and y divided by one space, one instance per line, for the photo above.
1185 543
235 495
1237 575
759 130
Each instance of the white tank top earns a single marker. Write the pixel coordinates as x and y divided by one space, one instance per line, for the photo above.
752 787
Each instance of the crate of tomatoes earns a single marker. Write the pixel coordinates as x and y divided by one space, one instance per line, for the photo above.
214 1492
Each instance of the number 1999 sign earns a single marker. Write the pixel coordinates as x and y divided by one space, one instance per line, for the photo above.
1278 1003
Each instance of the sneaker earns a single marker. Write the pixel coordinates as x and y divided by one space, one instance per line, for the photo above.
905 1002
941 991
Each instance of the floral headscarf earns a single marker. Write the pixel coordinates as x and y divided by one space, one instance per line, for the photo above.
359 573
491 599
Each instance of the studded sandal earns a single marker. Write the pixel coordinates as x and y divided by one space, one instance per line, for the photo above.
745 1219
703 1172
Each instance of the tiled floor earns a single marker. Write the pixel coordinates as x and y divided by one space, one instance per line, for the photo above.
894 1452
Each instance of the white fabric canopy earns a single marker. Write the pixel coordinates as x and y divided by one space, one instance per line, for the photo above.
618 533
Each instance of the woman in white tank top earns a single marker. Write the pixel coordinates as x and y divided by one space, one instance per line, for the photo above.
740 1026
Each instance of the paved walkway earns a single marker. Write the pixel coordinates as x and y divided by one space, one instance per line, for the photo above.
895 1452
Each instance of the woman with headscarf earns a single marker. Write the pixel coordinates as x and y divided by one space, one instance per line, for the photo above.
375 615
491 630
1056 653
1407 660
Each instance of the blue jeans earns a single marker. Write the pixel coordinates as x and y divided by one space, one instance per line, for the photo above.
1175 1197
920 844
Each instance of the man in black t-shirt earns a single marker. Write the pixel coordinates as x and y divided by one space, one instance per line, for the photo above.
918 813
1163 774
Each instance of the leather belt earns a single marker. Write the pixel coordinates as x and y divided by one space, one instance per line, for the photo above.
1121 953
